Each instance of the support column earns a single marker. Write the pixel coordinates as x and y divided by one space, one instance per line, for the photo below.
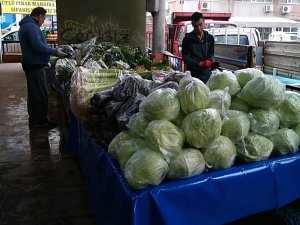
158 40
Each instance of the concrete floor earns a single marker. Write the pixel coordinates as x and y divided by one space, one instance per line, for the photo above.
40 183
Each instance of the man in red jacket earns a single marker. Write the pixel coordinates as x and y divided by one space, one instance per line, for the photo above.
198 49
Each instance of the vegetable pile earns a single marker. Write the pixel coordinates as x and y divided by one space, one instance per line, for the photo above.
169 125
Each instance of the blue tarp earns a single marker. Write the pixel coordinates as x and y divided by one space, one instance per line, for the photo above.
207 199
287 80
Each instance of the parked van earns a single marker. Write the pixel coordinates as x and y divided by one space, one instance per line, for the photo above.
240 36
236 36
281 36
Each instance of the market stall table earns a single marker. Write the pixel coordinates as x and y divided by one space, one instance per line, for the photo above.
210 198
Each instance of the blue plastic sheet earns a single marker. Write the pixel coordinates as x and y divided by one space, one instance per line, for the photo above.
208 199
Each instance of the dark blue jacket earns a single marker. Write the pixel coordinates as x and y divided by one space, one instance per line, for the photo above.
195 51
33 43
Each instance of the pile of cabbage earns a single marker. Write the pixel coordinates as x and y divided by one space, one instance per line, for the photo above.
242 117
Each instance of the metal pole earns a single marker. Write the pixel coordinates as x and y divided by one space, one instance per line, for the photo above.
158 40
1 33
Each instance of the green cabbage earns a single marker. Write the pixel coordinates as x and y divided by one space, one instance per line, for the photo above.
145 168
222 80
193 94
247 74
221 153
239 105
161 104
115 144
137 124
285 141
264 121
296 128
255 148
128 148
179 119
219 100
202 127
188 163
164 136
289 109
264 92
236 126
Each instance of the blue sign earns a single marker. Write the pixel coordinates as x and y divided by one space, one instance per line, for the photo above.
7 20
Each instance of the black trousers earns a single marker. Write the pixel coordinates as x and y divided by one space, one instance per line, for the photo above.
37 97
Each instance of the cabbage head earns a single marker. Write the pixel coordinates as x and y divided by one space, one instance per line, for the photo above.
239 105
189 162
219 100
202 127
164 136
236 125
161 104
222 80
193 94
296 128
255 148
264 121
179 119
145 168
264 92
289 109
247 74
137 124
128 148
221 153
115 144
285 141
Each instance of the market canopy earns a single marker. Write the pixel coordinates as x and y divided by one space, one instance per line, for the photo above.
26 6
265 22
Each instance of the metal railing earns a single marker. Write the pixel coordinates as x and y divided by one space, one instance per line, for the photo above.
13 47
176 63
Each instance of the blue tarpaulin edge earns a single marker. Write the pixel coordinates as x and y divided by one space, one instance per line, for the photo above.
210 198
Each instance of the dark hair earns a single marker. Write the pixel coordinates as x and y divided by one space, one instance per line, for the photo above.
38 11
196 16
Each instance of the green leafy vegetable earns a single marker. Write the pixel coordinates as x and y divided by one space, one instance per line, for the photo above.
236 126
161 104
224 79
264 121
202 127
255 148
115 144
264 92
188 163
164 136
221 153
289 109
285 141
193 94
145 168
247 74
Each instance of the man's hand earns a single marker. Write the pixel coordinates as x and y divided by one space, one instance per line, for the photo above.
60 54
205 63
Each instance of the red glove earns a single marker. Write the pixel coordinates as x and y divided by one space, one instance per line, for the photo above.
205 63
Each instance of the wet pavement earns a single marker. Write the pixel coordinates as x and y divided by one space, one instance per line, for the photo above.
40 182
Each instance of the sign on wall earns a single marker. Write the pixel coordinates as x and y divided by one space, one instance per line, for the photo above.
26 6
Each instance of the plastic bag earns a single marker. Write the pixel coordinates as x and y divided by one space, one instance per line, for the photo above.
128 109
130 85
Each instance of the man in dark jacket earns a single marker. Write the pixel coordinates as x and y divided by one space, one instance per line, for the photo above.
198 49
35 58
